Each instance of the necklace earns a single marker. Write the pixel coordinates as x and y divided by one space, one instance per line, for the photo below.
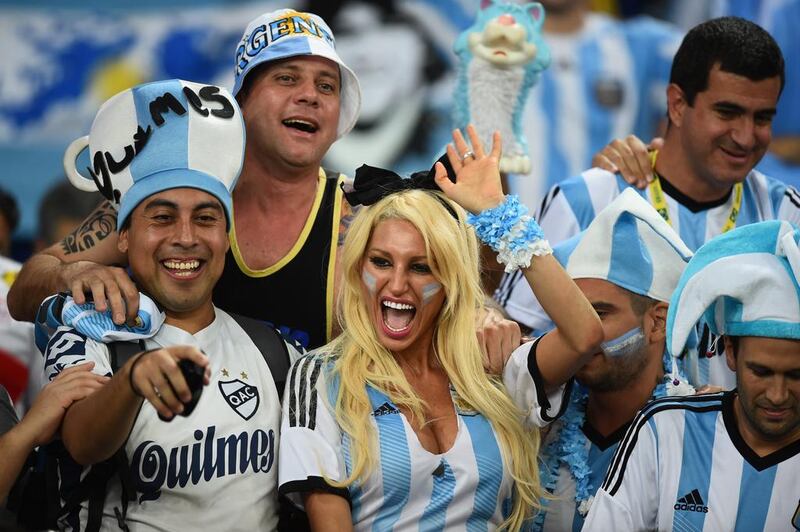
659 202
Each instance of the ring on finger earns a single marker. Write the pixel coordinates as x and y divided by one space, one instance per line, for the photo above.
468 153
155 390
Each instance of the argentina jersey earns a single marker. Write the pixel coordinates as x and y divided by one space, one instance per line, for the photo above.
467 487
606 81
561 513
684 466
571 206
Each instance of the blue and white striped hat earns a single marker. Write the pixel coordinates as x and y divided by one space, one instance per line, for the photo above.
158 136
742 283
629 245
288 33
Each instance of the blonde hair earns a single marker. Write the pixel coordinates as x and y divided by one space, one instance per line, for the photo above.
361 359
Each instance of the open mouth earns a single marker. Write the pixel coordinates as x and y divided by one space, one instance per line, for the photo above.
397 316
182 267
302 125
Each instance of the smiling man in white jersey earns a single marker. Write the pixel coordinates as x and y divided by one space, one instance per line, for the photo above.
183 145
725 461
725 82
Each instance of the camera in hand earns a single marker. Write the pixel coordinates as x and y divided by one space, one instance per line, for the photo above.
193 374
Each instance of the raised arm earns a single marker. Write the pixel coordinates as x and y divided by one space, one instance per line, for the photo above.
578 332
82 263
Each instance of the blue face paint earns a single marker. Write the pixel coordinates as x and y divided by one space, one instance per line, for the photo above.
629 343
369 280
430 290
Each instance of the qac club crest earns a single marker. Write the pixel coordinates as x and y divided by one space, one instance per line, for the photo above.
242 397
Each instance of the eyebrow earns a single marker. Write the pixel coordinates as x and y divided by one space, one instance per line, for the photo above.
735 107
172 205
383 252
603 305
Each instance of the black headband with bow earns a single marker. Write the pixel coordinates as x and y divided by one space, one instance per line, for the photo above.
372 184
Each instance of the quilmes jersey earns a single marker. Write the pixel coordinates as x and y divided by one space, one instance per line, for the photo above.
561 513
605 81
213 470
468 487
684 466
572 205
296 293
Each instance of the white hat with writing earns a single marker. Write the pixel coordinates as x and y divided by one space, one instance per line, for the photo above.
159 136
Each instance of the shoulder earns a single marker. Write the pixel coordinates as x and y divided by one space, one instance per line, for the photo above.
308 386
672 409
589 192
68 347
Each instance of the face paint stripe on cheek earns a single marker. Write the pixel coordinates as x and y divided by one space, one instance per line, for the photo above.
430 290
629 343
369 281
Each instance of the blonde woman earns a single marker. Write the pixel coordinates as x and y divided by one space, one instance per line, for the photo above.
395 425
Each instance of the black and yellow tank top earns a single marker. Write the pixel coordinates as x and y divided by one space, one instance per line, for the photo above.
296 293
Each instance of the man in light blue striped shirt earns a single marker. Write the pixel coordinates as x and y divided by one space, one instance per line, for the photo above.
726 461
725 83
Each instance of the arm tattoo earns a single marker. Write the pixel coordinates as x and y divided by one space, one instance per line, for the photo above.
97 226
348 214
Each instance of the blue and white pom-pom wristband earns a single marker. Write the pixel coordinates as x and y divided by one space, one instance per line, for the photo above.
515 236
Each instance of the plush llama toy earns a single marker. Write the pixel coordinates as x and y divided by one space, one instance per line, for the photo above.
500 57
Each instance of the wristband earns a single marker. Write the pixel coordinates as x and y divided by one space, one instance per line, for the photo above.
515 236
130 371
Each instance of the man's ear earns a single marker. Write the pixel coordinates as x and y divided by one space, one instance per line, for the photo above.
730 353
676 104
655 322
122 241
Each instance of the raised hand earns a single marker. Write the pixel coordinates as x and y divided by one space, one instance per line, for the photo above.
478 186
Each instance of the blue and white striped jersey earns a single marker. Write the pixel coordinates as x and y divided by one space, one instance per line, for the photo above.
468 487
561 513
570 206
605 82
684 466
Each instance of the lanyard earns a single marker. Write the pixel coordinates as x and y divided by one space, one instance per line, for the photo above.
659 201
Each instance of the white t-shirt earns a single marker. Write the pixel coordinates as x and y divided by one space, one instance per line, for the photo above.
20 360
213 470
410 488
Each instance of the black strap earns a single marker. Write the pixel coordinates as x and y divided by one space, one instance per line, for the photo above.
120 352
272 346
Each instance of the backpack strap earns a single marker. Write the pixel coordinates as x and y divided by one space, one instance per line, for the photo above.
272 346
120 352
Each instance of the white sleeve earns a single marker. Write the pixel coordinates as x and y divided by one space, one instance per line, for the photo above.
524 384
628 498
67 347
311 440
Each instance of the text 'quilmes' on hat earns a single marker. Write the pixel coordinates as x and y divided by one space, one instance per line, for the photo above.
159 136
288 33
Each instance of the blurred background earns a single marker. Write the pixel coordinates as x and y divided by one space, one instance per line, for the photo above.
62 58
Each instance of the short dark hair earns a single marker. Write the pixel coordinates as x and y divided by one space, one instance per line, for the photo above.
9 210
640 304
737 45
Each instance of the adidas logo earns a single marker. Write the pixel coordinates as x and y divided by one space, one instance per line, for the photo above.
384 410
691 502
